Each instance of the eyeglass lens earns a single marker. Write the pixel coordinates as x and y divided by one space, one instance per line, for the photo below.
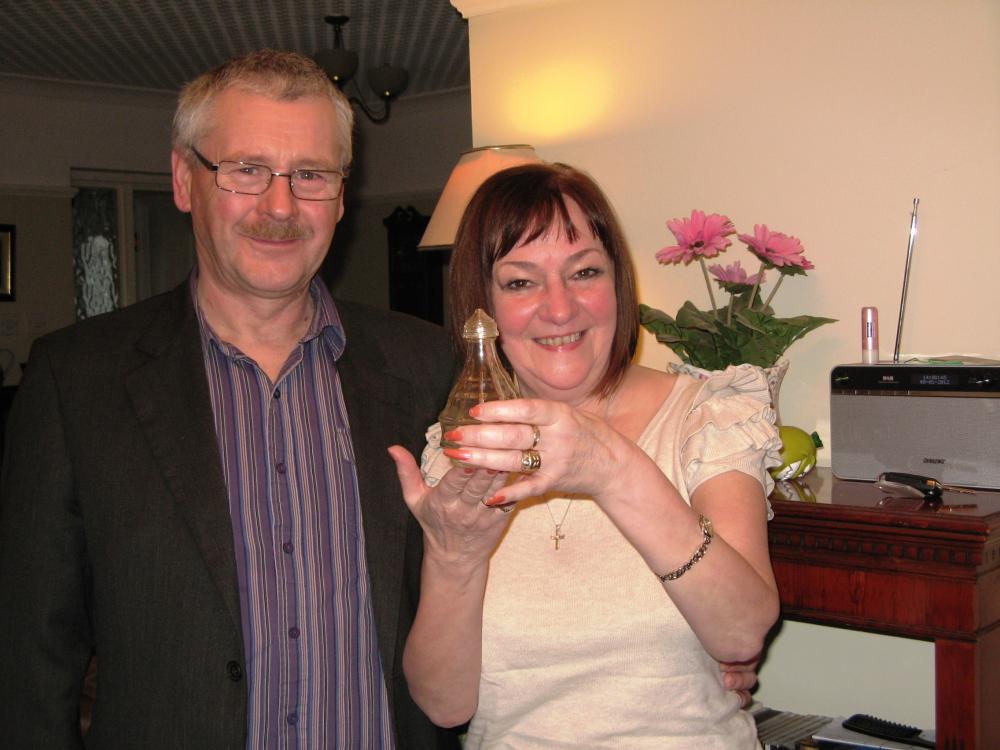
253 179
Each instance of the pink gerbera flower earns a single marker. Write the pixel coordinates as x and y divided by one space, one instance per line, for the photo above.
734 278
776 249
699 236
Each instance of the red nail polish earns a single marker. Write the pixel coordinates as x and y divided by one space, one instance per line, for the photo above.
459 454
496 501
468 470
453 436
474 411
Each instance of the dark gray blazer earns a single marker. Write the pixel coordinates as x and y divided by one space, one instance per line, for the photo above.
115 530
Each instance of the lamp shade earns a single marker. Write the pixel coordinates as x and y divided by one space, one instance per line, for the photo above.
473 168
338 63
387 80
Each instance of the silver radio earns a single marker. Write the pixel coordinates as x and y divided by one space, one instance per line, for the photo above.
941 421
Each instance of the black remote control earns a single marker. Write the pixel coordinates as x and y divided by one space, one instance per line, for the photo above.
886 730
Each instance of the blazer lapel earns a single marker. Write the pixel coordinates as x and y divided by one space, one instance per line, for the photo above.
169 392
379 407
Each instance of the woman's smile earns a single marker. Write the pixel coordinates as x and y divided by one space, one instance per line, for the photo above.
559 341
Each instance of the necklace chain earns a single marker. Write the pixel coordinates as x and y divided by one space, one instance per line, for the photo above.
557 533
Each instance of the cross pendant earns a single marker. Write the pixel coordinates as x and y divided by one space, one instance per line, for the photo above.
558 536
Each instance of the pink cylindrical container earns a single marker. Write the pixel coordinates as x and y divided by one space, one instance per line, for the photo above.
869 335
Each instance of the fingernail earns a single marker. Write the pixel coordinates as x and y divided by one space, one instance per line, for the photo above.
454 436
474 411
459 454
496 501
467 470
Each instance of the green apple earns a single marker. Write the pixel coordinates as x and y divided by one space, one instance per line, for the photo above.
798 452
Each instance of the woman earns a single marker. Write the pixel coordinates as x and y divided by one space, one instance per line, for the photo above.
635 559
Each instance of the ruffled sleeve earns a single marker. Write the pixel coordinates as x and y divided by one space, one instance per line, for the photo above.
730 426
433 463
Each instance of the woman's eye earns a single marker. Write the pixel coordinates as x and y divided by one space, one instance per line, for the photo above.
515 284
588 273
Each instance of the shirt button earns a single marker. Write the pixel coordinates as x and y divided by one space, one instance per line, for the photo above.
277 393
292 719
235 671
280 467
287 548
293 632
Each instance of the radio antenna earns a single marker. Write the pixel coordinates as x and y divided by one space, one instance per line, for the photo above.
906 279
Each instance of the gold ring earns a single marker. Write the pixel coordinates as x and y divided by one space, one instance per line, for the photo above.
536 436
506 508
531 460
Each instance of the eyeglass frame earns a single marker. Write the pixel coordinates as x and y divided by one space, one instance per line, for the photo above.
214 167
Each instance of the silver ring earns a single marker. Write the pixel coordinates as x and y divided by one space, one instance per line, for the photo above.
536 436
531 461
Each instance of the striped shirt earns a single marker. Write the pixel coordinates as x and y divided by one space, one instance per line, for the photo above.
314 677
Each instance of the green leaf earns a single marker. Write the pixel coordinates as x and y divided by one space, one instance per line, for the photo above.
704 340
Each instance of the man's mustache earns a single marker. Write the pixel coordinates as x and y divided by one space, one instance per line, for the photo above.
275 231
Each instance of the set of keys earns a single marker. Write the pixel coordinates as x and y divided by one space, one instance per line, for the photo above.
915 485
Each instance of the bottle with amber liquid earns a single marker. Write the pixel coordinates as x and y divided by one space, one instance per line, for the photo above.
483 377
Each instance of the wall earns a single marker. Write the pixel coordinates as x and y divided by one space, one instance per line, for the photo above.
47 128
43 280
821 120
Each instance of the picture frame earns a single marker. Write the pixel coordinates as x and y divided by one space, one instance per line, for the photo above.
7 255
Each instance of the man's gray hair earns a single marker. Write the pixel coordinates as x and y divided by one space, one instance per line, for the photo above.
271 73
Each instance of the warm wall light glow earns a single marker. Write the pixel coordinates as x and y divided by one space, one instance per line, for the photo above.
561 98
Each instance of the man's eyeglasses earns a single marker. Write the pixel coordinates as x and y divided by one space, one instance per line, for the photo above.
246 178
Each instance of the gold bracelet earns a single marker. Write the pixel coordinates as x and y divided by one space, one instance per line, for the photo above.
706 539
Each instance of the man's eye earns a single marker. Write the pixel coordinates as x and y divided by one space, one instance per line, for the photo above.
305 175
249 170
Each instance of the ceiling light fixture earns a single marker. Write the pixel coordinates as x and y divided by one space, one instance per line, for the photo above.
340 64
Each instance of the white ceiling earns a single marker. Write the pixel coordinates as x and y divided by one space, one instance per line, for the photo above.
160 44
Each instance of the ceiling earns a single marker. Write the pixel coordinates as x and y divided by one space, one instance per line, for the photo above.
160 44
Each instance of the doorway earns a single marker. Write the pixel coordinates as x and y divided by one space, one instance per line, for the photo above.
129 240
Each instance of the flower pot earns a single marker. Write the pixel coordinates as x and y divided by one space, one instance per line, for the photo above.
774 374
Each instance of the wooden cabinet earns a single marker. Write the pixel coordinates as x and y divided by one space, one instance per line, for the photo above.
849 556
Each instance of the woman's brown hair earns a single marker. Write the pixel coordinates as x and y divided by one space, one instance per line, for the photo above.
517 206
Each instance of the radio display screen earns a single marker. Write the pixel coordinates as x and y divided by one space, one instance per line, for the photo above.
940 379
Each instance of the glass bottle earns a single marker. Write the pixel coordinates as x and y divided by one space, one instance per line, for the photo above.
483 377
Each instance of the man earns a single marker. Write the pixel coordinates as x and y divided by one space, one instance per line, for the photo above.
197 488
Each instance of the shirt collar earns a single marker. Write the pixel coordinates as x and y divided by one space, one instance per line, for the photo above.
325 321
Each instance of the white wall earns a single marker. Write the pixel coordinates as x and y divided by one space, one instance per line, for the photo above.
820 119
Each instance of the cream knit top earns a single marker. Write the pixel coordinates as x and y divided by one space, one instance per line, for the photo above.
581 646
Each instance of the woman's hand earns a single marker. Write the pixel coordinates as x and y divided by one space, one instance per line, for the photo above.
579 452
444 648
458 527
